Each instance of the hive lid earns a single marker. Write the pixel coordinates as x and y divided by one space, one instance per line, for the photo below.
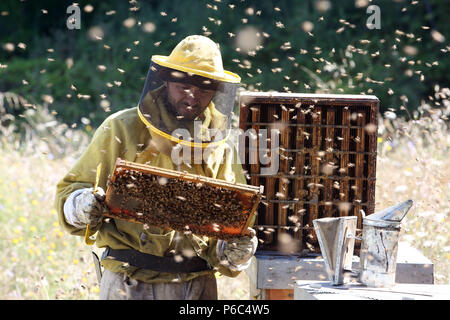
304 96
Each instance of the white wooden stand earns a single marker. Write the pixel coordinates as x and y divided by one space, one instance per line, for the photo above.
274 277
324 290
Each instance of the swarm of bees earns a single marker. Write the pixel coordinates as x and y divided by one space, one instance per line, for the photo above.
175 203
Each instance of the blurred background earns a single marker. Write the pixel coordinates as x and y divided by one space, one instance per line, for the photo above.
60 78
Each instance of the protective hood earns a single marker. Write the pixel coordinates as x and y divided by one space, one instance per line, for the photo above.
188 98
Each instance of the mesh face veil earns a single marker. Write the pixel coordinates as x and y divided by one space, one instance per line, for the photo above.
188 98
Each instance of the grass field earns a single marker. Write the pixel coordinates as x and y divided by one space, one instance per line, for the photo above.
38 260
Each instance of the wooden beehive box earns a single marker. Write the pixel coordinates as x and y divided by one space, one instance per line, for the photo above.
327 163
181 201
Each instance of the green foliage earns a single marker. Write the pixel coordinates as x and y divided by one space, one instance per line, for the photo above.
399 63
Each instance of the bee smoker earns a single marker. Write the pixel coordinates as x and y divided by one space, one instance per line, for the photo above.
379 246
378 254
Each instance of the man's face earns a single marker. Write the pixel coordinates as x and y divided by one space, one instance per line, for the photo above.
188 101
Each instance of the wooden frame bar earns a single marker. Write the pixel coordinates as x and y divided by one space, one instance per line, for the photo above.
152 209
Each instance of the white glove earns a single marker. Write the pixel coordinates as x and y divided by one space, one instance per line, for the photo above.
83 207
238 251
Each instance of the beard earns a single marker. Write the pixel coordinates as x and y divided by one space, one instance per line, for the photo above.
175 109
170 107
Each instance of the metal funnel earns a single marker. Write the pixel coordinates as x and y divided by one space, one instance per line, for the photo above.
336 240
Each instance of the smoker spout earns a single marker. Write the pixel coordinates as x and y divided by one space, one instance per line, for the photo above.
394 213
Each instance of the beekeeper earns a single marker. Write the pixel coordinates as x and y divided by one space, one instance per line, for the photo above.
186 105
